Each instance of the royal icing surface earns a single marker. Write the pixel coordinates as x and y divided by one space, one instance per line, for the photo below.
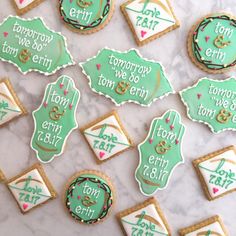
160 152
89 198
85 15
126 77
145 221
31 46
219 173
9 109
212 102
213 42
149 17
209 230
29 190
107 138
55 118
23 3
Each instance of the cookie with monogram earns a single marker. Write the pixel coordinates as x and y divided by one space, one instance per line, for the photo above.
89 196
31 188
107 137
55 119
210 227
144 219
126 77
30 45
86 16
23 6
160 152
217 172
212 43
10 105
149 19
212 102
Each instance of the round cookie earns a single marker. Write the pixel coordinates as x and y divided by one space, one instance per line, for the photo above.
89 196
212 43
86 16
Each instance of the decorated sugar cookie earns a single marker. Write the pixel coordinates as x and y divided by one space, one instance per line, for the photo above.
217 172
160 153
86 16
31 46
144 219
55 118
107 137
89 196
126 77
149 19
212 102
31 188
212 43
210 227
10 105
23 6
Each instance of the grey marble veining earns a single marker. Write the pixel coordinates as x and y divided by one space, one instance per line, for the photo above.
183 202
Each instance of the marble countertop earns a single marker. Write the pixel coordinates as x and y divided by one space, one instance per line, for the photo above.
183 202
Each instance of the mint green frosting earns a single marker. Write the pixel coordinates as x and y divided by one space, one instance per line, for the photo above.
126 77
214 42
55 119
212 102
89 198
30 45
160 152
85 15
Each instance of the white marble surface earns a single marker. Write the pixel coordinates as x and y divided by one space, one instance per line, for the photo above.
183 202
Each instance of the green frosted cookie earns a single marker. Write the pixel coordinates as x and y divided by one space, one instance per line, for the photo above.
31 46
160 152
55 118
212 43
89 196
86 16
212 102
126 77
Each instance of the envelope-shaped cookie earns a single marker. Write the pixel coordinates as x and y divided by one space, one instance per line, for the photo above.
210 227
10 105
23 6
107 137
31 188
